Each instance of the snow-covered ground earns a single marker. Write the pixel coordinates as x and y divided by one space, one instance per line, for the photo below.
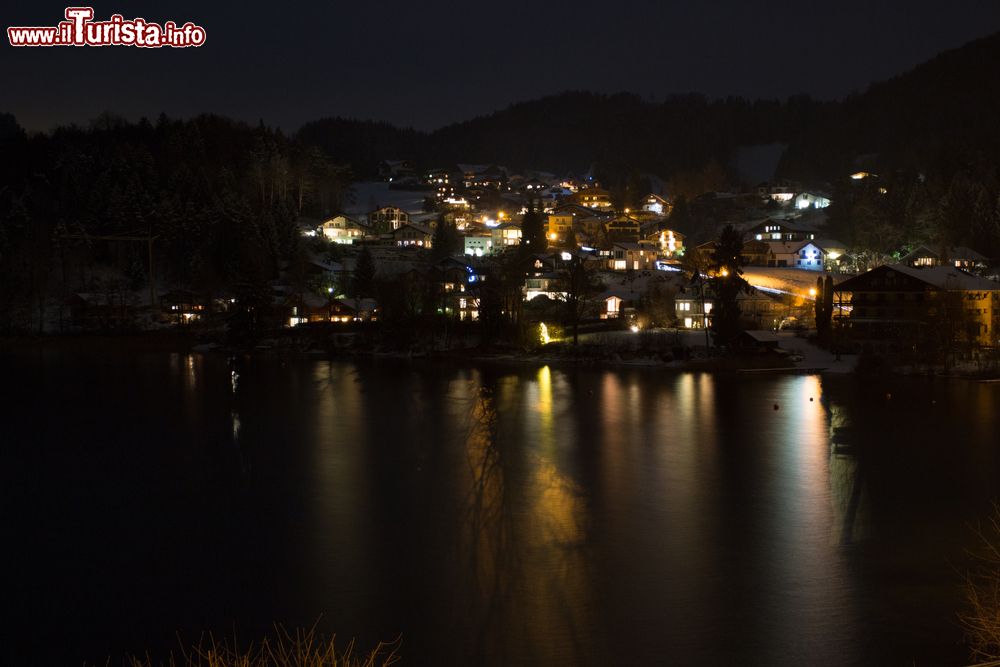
786 280
816 357
370 195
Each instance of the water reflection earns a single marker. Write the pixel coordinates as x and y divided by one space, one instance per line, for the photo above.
500 515
523 534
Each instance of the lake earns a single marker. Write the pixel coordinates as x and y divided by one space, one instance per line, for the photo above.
488 514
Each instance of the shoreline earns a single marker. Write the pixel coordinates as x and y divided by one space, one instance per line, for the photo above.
207 342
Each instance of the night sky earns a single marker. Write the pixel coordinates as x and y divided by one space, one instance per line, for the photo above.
426 64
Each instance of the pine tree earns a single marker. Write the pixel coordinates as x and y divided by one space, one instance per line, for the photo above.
447 241
363 282
533 231
727 283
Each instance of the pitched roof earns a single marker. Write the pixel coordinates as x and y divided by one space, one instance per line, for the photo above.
938 277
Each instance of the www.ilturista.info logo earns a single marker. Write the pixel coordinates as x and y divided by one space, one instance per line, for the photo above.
79 29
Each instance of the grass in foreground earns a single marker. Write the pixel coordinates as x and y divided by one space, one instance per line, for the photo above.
301 648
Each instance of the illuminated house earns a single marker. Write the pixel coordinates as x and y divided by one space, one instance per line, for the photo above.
782 230
631 257
387 218
478 244
656 204
595 198
456 284
559 225
908 305
506 234
811 200
781 192
966 259
485 176
693 307
670 243
587 222
342 229
623 229
181 306
412 234
821 254
353 310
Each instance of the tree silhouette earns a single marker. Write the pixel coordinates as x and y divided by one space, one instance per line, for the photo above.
727 283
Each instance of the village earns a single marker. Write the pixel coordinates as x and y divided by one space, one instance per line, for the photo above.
562 259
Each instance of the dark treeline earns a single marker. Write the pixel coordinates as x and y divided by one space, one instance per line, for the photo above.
219 196
573 131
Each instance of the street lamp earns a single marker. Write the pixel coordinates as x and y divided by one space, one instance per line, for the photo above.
329 304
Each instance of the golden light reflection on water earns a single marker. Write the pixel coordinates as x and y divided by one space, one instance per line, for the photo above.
524 531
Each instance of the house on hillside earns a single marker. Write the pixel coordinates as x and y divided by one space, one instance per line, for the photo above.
811 200
782 230
631 256
669 242
412 234
342 229
593 197
963 258
623 229
656 205
386 219
505 235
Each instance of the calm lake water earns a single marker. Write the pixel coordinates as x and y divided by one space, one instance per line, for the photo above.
489 515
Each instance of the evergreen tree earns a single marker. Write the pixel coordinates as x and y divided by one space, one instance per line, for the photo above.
727 283
571 241
533 238
363 279
680 215
447 241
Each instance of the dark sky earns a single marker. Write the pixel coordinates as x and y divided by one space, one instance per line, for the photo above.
425 63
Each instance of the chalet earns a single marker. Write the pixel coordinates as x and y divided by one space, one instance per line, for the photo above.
387 218
693 307
811 200
782 230
781 192
181 306
903 303
593 197
819 255
624 228
506 234
353 310
966 259
670 243
631 257
655 204
484 176
412 234
342 229
307 307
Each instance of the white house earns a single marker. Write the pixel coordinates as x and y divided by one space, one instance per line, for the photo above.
811 200
342 229
478 244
